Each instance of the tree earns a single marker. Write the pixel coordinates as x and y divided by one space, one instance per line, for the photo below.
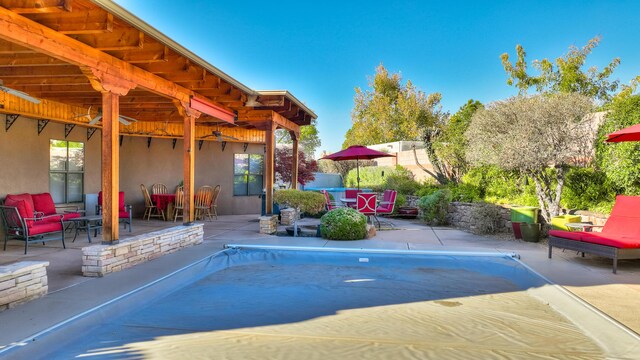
393 111
566 76
284 162
452 145
388 112
621 161
541 136
309 140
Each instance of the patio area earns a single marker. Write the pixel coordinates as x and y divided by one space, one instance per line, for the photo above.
590 278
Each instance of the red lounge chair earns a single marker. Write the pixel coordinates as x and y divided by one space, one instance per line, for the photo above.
619 239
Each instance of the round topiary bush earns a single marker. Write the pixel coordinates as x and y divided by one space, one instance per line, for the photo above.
343 224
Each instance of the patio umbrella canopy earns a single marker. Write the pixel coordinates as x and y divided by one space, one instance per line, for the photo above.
632 133
357 153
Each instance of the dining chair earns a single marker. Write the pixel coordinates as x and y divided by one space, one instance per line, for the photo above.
214 201
159 189
202 203
150 209
352 194
178 204
366 205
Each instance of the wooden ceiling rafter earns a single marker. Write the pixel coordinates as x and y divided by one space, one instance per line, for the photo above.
27 64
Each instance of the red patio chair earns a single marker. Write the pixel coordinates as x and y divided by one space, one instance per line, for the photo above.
124 211
330 204
366 205
387 203
21 223
352 194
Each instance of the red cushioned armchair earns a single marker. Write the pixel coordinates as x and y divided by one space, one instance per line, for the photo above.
124 211
22 222
619 239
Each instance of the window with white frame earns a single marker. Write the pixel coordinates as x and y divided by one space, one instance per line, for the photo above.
66 171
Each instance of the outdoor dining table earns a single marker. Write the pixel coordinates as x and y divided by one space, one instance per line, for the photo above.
164 202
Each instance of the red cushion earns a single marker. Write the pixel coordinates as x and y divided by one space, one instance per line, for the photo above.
351 194
25 197
571 235
24 209
123 214
120 200
620 242
69 216
42 227
624 220
44 203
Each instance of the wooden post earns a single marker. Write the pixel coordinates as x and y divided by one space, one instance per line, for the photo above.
269 157
111 88
188 164
110 167
294 165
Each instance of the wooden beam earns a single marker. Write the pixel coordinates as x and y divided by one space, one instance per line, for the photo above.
188 163
295 159
269 168
110 167
38 6
29 34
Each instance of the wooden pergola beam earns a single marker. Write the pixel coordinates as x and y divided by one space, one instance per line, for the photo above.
24 32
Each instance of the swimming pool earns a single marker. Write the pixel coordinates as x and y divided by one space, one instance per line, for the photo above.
284 302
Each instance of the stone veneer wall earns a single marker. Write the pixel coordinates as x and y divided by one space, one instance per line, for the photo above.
21 282
460 216
99 260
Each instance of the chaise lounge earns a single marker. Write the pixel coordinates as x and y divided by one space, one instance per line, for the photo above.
619 239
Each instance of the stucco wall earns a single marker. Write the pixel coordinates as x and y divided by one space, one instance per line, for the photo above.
24 160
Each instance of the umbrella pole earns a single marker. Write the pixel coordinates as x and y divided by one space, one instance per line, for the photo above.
358 172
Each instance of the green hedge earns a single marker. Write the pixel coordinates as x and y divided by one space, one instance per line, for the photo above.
343 224
435 207
397 178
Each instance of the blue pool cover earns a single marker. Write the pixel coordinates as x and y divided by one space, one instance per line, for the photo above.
245 303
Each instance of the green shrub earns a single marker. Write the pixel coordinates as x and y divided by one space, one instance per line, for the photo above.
343 224
427 189
398 178
499 186
485 218
435 207
588 189
464 192
402 180
306 201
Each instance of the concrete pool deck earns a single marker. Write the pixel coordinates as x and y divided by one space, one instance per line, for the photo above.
70 294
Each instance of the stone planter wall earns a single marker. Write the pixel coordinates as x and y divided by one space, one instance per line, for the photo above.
460 215
268 224
288 216
21 282
99 260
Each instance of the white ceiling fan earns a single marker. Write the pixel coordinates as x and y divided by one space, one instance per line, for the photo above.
124 120
18 93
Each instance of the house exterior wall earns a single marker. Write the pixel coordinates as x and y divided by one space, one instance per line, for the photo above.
24 160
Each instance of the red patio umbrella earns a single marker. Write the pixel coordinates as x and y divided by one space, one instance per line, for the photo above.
357 153
632 133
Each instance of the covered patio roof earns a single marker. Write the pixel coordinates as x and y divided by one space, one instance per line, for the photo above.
84 58
47 45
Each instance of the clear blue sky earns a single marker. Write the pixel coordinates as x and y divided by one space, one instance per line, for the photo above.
322 50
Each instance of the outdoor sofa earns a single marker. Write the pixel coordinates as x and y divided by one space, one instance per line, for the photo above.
619 239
